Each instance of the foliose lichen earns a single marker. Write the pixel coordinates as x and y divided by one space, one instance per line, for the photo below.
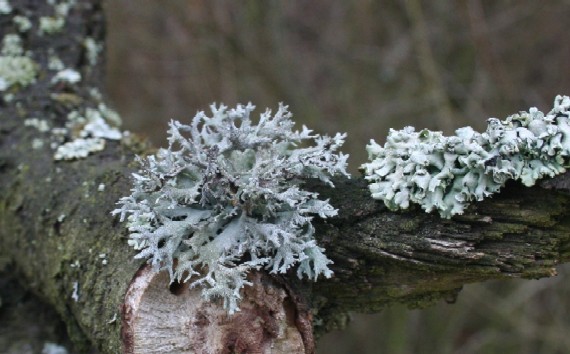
226 197
447 173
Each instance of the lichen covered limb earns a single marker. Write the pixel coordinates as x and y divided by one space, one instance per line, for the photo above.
226 197
447 173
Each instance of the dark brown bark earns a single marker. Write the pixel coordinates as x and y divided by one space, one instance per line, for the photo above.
380 257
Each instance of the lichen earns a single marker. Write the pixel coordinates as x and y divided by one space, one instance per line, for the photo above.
37 144
51 24
41 125
75 292
92 49
226 197
16 67
23 23
52 348
54 63
67 75
5 7
88 130
447 173
54 24
12 45
79 148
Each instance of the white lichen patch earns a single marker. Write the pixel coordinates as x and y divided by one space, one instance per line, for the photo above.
75 293
93 123
88 130
5 7
16 71
23 23
103 258
51 24
52 348
110 116
41 125
447 173
37 143
54 63
58 136
79 148
12 45
97 126
54 24
67 75
16 67
92 50
96 94
62 8
226 197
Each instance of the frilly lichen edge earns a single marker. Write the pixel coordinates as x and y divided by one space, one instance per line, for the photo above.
448 173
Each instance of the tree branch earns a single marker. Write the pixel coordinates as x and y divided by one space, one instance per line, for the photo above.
56 229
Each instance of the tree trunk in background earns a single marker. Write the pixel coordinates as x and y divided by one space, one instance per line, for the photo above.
57 233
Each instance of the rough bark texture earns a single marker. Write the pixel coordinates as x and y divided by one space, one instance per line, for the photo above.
82 265
415 258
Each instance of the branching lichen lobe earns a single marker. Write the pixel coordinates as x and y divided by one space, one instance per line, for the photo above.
227 199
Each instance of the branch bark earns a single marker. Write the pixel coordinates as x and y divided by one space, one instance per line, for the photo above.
57 231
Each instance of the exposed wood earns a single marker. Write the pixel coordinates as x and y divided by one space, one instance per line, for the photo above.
154 310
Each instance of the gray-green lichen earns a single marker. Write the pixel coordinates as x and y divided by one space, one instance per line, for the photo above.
23 23
16 66
51 25
54 63
5 7
92 49
40 124
447 173
54 24
226 198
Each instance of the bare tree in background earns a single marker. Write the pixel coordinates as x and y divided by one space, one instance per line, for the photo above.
322 60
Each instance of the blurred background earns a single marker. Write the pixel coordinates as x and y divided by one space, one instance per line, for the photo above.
363 67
